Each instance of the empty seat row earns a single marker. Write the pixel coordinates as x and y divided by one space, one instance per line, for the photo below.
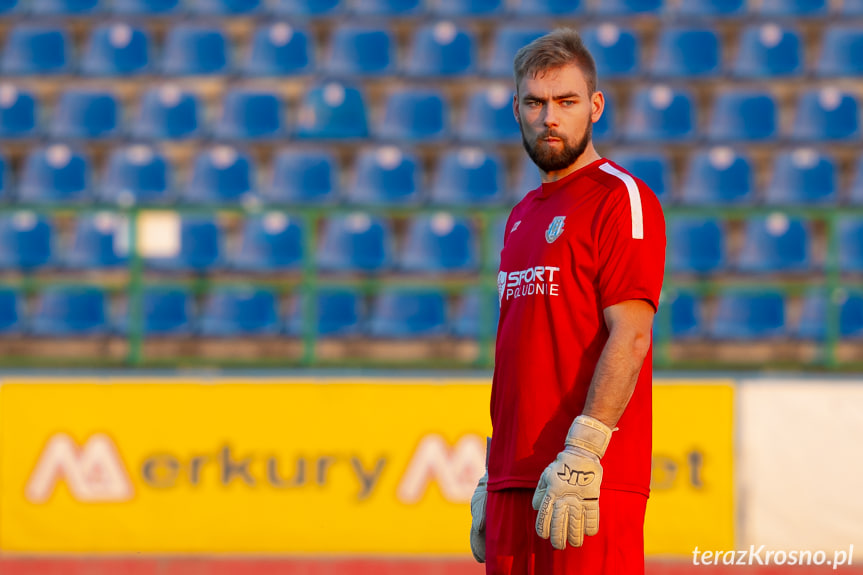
248 311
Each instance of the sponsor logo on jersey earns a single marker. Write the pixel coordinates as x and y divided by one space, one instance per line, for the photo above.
539 280
515 226
555 228
501 285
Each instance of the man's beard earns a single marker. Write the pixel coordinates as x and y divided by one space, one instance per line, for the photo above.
549 160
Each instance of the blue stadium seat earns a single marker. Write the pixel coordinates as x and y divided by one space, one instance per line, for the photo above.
362 50
769 51
440 243
776 243
309 7
508 40
488 116
225 7
36 50
12 319
547 7
803 177
98 242
238 312
652 168
415 114
852 8
387 7
495 245
168 113
711 8
70 311
604 130
827 114
840 52
442 49
630 7
270 241
116 50
696 245
19 112
719 176
199 247
794 8
386 176
337 312
469 177
529 178
26 241
221 174
814 319
356 242
195 50
11 6
280 49
661 113
681 317
744 115
250 115
166 311
466 7
85 114
65 7
688 52
333 111
303 177
55 174
743 315
398 313
137 174
470 320
146 7
850 235
616 50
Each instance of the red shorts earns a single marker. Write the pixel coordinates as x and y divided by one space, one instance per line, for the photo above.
513 548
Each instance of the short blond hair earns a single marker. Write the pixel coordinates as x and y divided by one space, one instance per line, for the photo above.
559 48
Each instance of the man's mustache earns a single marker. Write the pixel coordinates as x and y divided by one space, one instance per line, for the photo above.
551 134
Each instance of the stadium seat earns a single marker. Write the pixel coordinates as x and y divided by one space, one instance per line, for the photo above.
19 112
743 315
719 176
440 243
36 50
415 114
803 177
398 313
688 52
547 7
337 313
116 50
710 8
10 6
827 114
89 115
388 8
303 177
768 51
361 50
529 178
469 177
137 175
224 7
471 8
240 312
55 174
221 174
199 247
280 49
495 245
744 115
794 8
250 115
313 8
168 113
442 49
696 245
12 317
386 176
333 111
629 7
776 243
840 52
146 7
616 50
604 130
661 113
681 317
652 168
356 242
65 7
509 39
70 311
26 241
195 50
850 235
488 116
270 241
814 320
470 320
165 311
100 241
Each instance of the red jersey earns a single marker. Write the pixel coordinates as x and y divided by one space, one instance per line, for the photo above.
572 248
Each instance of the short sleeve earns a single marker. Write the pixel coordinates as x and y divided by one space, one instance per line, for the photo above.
631 246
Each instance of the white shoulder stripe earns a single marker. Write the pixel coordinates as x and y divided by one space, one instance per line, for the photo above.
634 199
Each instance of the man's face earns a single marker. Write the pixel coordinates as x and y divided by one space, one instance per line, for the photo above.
556 116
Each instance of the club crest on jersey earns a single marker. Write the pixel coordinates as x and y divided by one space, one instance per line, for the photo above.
555 228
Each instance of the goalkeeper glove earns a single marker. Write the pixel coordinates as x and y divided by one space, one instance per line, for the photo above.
567 496
477 512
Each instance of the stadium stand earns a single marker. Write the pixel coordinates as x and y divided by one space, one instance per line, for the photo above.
386 176
19 112
98 242
56 174
70 311
719 176
443 49
280 49
303 177
137 174
26 241
269 242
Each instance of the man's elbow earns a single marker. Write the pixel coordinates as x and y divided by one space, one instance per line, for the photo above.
636 343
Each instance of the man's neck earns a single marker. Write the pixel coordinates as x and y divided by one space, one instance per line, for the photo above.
589 156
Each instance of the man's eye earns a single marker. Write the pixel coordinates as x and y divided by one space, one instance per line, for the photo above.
567 103
534 104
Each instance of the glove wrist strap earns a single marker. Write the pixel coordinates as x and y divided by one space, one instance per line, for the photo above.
589 434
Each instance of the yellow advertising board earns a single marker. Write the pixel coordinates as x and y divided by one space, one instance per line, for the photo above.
317 467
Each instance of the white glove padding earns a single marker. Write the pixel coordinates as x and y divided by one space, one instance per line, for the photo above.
567 496
477 526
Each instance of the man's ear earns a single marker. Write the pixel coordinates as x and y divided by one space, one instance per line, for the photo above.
515 107
597 102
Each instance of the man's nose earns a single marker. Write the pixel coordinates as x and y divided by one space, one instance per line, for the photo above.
550 118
